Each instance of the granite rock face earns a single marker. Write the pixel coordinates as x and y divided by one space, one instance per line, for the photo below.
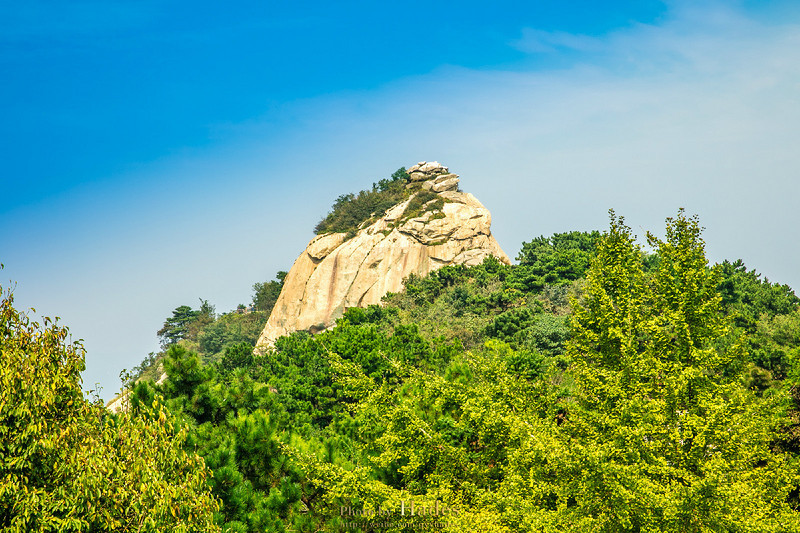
424 170
335 273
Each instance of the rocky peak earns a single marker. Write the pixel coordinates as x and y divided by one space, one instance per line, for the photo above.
432 176
425 170
416 236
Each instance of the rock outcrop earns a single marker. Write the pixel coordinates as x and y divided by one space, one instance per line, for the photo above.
334 272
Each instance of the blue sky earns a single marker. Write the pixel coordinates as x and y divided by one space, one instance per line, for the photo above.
155 153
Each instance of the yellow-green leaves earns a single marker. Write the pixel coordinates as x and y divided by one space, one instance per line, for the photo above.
666 437
68 465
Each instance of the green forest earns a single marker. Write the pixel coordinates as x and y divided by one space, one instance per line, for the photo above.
597 385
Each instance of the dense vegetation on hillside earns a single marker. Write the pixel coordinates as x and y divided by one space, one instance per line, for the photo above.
591 387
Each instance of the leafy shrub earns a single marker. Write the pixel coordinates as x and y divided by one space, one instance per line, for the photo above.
417 205
349 211
746 296
547 334
507 324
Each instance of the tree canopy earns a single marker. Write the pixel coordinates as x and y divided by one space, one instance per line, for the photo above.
594 388
663 433
176 327
66 464
266 294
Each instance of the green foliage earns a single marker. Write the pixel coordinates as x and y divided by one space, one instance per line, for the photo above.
232 422
768 312
665 436
349 211
243 411
449 303
480 388
227 330
531 329
558 259
373 314
775 342
236 356
66 464
421 202
439 436
206 333
548 334
508 325
266 294
747 297
176 327
490 300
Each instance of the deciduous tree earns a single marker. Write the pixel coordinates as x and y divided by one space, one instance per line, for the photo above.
67 464
661 434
